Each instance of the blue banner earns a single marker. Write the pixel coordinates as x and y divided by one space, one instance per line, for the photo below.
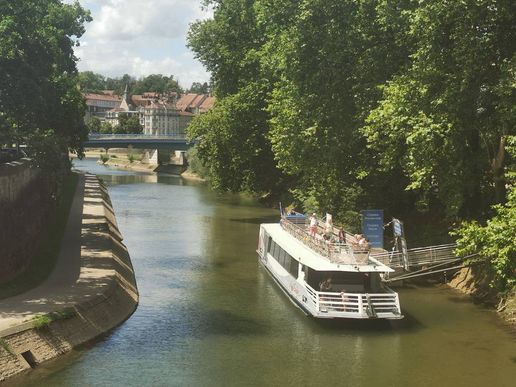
372 227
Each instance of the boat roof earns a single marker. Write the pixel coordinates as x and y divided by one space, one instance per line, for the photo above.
305 255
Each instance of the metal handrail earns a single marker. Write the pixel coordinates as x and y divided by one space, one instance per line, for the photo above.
334 251
418 256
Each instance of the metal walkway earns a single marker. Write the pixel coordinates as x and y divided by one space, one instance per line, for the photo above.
418 256
423 260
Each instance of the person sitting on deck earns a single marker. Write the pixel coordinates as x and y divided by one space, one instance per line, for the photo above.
313 225
325 286
363 244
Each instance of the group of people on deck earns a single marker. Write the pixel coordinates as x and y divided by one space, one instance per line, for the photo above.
358 241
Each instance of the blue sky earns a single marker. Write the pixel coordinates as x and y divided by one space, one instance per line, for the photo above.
140 38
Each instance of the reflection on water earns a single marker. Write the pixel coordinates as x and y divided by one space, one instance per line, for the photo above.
210 316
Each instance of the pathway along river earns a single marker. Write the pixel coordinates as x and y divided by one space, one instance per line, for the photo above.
209 315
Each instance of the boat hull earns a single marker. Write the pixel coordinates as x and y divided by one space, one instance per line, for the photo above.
298 293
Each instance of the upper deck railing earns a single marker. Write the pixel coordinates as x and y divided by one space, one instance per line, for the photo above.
331 248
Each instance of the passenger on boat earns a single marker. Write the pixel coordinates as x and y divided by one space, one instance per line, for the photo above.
325 286
313 225
363 244
342 235
344 299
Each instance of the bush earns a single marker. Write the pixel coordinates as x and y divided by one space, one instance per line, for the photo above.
104 158
41 322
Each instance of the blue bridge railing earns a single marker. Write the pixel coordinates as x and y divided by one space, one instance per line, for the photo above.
104 136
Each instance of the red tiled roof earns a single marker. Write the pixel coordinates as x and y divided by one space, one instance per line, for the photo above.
207 104
101 97
190 101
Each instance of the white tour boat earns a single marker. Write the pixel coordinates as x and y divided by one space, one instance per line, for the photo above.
302 263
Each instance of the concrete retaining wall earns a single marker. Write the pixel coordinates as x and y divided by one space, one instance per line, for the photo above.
25 203
14 177
105 293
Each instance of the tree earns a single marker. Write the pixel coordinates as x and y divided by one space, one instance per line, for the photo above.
40 103
496 240
95 125
156 83
232 138
199 88
91 82
128 124
106 128
443 120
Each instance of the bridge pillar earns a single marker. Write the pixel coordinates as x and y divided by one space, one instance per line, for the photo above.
156 156
150 156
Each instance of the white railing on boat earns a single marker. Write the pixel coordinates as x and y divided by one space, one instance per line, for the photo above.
364 304
334 251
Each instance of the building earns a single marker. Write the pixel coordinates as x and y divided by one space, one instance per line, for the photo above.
195 103
162 117
159 114
124 107
98 104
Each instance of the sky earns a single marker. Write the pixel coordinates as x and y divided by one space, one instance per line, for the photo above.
140 38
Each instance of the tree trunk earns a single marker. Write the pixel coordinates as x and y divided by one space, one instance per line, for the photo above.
497 167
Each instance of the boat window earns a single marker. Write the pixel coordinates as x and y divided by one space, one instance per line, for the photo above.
269 242
282 257
294 267
341 280
275 250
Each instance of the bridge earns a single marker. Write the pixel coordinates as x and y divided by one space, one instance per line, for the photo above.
158 149
139 141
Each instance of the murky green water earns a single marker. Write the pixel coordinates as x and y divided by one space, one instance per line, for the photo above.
210 316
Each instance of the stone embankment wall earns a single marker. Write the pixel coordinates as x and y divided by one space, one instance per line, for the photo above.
24 205
105 293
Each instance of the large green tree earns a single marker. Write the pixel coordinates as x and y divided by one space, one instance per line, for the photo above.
91 82
444 119
232 137
40 103
128 124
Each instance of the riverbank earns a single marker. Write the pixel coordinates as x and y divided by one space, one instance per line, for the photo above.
474 282
91 290
120 159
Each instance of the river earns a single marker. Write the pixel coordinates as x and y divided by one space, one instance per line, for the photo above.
209 315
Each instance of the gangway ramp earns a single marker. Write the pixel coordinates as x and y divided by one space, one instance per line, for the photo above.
418 256
423 260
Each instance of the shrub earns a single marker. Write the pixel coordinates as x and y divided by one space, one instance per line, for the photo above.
42 322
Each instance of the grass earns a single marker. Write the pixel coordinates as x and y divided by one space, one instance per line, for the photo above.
44 321
5 346
49 246
41 322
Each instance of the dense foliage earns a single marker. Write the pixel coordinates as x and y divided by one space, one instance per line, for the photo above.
128 124
404 105
91 82
496 240
40 105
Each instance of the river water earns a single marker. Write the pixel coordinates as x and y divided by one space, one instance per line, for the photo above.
209 315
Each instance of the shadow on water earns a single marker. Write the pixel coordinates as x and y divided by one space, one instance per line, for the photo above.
408 324
267 219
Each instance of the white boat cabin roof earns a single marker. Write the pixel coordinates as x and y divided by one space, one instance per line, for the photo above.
306 256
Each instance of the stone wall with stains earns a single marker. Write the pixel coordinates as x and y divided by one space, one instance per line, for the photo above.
106 293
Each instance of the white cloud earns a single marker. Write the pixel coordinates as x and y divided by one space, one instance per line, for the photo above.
141 38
